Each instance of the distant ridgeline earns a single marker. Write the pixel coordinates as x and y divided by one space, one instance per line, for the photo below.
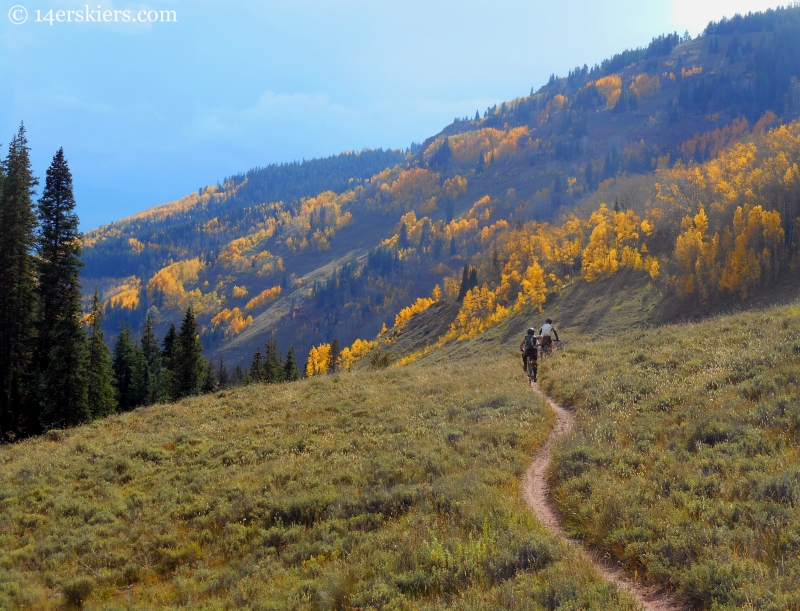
659 160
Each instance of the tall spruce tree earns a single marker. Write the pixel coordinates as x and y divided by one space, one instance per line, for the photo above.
101 399
61 343
273 363
290 370
167 363
336 352
210 383
151 354
222 375
18 411
257 367
188 364
128 368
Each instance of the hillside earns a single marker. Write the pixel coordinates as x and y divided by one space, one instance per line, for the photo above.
393 489
684 465
292 260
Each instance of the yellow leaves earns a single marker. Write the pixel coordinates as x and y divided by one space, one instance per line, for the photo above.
644 86
239 291
533 285
125 296
233 320
136 246
420 305
451 287
611 88
356 352
168 283
691 71
479 311
263 298
469 147
647 227
454 187
553 105
436 295
413 186
318 360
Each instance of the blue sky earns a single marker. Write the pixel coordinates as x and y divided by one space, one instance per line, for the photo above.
147 112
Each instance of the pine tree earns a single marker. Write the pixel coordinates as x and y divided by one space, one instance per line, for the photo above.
64 399
210 383
273 363
188 363
59 251
257 368
128 364
222 375
153 379
290 370
62 342
100 390
18 411
336 352
167 354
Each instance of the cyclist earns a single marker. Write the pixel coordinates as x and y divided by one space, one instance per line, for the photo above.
530 350
547 332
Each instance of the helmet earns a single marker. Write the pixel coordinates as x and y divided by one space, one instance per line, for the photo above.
549 321
531 331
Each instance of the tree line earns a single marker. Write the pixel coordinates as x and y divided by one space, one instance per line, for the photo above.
55 367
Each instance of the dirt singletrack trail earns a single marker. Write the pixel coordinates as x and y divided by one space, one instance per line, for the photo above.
536 491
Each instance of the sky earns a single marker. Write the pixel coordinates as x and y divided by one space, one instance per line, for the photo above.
150 108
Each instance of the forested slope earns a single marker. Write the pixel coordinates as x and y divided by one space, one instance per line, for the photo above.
308 267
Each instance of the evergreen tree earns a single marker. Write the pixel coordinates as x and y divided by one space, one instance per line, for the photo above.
256 368
453 248
168 345
237 377
210 383
151 354
469 280
64 400
59 251
62 341
188 364
403 237
18 412
100 390
336 352
127 371
222 375
290 370
443 155
273 363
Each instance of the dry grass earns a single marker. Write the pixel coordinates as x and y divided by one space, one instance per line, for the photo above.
396 489
685 463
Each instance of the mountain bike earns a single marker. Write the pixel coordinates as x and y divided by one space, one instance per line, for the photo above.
532 369
549 347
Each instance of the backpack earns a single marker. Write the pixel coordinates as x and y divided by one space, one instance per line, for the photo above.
530 342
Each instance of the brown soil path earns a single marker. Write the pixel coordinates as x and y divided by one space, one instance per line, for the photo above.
537 497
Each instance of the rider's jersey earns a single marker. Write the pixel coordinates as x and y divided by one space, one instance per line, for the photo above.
547 330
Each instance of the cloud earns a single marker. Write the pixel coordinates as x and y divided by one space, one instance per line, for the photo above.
694 15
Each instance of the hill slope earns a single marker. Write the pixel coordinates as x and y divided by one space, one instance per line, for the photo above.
251 259
396 489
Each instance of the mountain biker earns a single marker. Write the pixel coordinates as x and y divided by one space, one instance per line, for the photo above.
530 350
547 332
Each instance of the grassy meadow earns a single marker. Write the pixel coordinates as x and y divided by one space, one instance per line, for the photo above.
397 489
685 461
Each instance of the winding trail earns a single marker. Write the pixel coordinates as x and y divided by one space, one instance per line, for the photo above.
536 491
